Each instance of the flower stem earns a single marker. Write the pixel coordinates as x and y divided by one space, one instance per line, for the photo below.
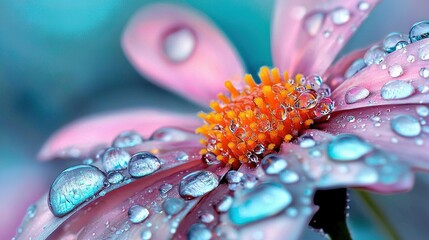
378 214
340 232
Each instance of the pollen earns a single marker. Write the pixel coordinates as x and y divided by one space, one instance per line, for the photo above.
251 122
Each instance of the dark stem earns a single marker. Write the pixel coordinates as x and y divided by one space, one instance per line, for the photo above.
340 232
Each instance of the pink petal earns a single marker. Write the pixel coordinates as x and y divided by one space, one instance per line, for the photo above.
374 77
375 125
83 135
298 50
198 77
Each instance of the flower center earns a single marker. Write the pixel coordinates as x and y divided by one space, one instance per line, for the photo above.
248 124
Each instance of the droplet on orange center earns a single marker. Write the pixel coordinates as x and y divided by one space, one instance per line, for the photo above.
246 125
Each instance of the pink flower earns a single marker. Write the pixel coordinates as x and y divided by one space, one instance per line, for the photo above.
374 138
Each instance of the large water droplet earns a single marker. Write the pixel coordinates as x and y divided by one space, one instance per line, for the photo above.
142 164
356 94
324 107
137 213
396 89
197 184
179 44
306 100
74 186
375 55
423 52
313 22
394 41
127 139
347 147
419 31
340 16
406 125
395 70
173 206
354 68
115 159
199 231
258 203
273 164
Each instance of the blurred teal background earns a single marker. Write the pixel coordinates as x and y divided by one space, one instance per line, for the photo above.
61 60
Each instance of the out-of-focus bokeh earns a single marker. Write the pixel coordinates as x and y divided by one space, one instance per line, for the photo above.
61 60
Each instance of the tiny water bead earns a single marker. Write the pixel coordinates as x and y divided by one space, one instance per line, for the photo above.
419 31
396 89
199 231
273 164
422 111
423 52
142 164
127 139
115 158
253 122
340 16
173 206
137 213
179 44
356 94
197 184
363 6
424 72
74 186
406 125
347 147
262 201
395 70
224 204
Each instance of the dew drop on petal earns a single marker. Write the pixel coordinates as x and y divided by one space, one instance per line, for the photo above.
424 72
199 231
313 22
289 176
363 6
324 107
405 125
164 188
422 111
169 135
394 41
374 55
74 186
260 202
306 141
273 164
234 176
115 159
142 164
396 89
197 184
115 177
31 211
137 213
127 139
419 31
340 16
356 94
224 204
179 44
181 156
173 206
354 68
146 234
395 70
423 52
347 147
207 218
210 158
411 58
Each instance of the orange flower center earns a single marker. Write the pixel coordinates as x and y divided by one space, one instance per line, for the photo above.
253 122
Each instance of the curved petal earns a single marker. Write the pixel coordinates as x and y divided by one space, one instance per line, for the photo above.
83 135
397 66
307 35
381 125
181 50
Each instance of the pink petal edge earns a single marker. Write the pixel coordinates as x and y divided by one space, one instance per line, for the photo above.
295 50
201 76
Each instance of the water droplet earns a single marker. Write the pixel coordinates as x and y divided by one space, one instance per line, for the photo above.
31 211
324 107
169 135
127 139
423 89
252 158
422 111
306 100
258 203
74 186
173 206
394 41
423 52
374 55
181 156
313 22
207 218
424 72
164 188
273 164
314 81
137 213
419 31
395 71
142 164
115 159
289 176
350 118
347 147
179 44
411 58
405 125
224 204
356 94
210 158
234 176
199 231
363 6
146 234
354 68
326 34
259 149
306 141
115 177
197 184
396 89
340 16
